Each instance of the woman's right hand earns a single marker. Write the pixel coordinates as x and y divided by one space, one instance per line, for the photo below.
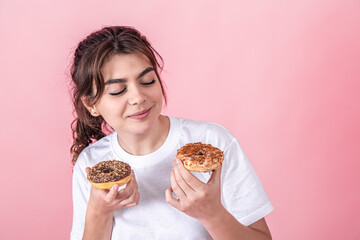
104 201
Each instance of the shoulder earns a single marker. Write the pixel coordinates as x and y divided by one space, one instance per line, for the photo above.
205 131
96 152
204 127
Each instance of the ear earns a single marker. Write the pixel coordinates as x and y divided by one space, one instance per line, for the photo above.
89 107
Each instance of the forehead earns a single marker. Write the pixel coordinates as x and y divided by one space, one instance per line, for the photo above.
125 65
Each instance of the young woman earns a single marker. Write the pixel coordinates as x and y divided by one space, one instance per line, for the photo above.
117 86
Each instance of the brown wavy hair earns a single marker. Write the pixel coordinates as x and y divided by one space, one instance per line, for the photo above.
87 81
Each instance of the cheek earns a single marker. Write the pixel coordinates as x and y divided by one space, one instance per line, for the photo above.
111 108
158 99
158 95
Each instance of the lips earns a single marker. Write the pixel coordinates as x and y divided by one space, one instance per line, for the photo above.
141 114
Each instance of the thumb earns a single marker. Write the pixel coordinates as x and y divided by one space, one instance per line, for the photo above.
111 195
87 169
216 176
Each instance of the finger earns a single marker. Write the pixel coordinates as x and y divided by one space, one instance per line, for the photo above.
134 198
130 187
216 176
131 205
175 186
132 183
190 179
182 183
87 169
133 178
170 198
124 193
134 195
111 195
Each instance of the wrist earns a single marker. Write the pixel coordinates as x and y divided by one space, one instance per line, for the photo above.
98 225
98 212
214 219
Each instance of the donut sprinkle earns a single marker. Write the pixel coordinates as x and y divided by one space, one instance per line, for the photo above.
109 171
200 157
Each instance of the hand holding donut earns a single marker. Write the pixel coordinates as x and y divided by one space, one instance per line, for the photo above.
106 201
195 198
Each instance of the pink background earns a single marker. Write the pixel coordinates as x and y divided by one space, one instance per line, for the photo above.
283 76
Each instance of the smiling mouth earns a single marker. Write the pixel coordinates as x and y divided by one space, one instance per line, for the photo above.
141 115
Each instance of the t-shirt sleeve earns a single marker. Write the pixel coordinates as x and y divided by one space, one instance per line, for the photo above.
80 193
242 192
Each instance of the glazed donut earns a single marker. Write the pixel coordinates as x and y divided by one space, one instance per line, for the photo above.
200 157
107 173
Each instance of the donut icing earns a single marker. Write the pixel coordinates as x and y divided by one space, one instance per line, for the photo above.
109 171
200 157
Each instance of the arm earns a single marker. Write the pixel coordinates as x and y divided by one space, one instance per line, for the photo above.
203 202
227 227
102 204
99 219
94 222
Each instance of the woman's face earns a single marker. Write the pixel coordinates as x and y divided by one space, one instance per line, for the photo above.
132 98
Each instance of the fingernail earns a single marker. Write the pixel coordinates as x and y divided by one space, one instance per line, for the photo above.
177 161
132 172
115 187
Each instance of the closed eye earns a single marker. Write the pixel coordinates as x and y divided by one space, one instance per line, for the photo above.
124 90
148 83
118 93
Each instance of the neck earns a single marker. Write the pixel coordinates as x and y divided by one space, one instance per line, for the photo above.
149 142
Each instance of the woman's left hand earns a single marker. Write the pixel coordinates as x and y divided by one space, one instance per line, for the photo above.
197 199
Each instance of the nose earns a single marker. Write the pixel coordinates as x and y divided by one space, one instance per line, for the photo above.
136 96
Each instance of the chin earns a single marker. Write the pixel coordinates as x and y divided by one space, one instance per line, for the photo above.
140 131
143 127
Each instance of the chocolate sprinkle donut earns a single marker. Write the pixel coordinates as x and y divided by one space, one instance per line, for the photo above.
109 171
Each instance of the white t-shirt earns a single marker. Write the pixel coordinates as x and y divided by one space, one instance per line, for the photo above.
153 218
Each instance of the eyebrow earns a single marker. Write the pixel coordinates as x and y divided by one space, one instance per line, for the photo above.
122 80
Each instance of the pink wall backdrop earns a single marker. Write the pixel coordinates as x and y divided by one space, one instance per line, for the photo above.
283 76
